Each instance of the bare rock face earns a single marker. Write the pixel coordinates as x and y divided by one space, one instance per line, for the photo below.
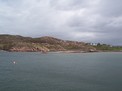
22 49
27 47
92 50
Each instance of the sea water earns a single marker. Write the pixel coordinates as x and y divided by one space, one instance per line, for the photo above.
34 71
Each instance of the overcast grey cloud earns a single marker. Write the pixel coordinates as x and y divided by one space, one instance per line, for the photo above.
82 20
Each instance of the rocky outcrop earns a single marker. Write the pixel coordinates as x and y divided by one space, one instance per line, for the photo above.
27 47
42 44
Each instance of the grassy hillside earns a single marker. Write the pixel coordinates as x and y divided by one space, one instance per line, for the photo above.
105 47
45 44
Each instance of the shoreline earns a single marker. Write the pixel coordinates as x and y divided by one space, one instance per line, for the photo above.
68 51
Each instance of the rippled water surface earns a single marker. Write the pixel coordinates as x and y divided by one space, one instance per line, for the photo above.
60 71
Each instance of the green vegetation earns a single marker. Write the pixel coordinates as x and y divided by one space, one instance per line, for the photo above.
105 47
6 46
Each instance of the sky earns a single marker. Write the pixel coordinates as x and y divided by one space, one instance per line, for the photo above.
81 20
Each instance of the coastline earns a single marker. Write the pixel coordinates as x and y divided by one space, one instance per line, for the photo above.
66 51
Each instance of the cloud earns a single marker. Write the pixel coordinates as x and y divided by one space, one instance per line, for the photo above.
84 20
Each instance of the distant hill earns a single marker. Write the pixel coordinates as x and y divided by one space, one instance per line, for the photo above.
43 44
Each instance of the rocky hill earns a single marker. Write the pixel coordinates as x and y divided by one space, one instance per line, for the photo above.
43 44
